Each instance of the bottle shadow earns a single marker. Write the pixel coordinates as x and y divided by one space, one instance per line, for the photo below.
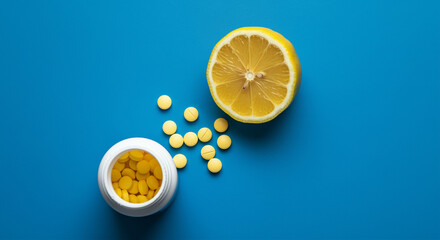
139 227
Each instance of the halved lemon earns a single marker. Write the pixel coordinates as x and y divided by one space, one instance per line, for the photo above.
253 74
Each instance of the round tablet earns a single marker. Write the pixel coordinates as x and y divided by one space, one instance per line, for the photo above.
125 182
132 164
180 161
134 187
128 172
118 192
191 114
204 134
214 165
124 194
140 176
133 198
158 173
164 102
143 187
207 152
224 142
115 175
176 140
169 127
136 155
143 167
123 158
119 166
221 125
152 182
190 139
142 198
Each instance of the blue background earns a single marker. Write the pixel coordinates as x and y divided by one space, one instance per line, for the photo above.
357 154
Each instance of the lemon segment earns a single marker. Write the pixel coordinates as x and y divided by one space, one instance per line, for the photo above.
253 74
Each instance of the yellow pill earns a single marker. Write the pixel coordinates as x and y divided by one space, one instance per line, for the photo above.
214 165
115 185
158 172
176 140
221 125
133 165
152 182
207 152
164 102
180 160
142 198
125 182
133 198
118 192
119 166
143 167
224 142
115 175
134 187
204 134
153 165
125 195
191 114
143 187
190 139
150 194
148 157
140 176
128 172
169 127
136 155
123 158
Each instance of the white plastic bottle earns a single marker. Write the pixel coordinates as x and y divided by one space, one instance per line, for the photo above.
169 181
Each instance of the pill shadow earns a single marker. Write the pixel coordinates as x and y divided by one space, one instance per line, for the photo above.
139 227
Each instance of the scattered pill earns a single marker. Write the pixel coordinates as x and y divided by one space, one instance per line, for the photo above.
190 139
125 182
207 152
169 127
214 165
180 160
125 195
129 172
143 167
143 187
142 198
134 187
224 142
164 102
191 114
221 125
123 158
204 134
136 155
176 140
133 198
152 182
115 175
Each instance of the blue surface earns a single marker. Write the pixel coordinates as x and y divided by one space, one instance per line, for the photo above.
357 154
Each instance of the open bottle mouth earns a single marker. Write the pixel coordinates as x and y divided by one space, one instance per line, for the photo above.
162 183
